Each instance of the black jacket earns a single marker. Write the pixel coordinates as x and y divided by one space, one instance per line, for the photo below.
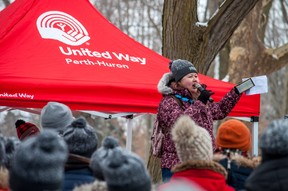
270 175
238 168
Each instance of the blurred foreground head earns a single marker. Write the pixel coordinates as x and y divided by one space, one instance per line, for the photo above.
274 140
38 163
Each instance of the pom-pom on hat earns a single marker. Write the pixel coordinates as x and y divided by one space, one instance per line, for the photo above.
181 68
192 142
108 145
233 134
56 116
25 129
125 171
274 139
38 163
81 138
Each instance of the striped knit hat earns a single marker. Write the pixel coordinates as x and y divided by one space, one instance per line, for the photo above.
192 142
25 129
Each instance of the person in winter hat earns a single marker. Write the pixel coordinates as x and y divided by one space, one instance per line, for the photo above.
4 184
233 142
82 141
11 144
271 174
194 148
125 171
56 116
234 134
196 104
99 156
38 164
25 129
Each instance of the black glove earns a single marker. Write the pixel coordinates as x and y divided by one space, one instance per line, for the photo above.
205 95
236 90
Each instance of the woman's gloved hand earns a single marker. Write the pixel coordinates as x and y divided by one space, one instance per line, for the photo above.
205 96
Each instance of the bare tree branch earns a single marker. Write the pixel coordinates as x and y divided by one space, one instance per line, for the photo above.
220 28
276 58
284 12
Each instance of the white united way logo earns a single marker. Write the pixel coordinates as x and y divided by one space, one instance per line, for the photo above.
63 27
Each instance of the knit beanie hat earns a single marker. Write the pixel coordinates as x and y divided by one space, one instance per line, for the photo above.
274 140
125 171
25 129
56 116
38 163
108 145
81 138
181 68
192 142
233 134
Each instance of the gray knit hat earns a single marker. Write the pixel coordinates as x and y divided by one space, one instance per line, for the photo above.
38 163
56 116
108 145
192 142
274 140
125 171
181 68
81 138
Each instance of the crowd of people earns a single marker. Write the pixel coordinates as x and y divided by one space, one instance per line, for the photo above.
65 153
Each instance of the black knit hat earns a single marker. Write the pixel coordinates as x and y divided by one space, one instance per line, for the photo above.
81 138
38 163
180 68
125 171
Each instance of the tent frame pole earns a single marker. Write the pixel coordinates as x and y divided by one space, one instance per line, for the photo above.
129 135
254 132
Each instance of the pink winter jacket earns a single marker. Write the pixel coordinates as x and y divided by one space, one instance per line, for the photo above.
203 115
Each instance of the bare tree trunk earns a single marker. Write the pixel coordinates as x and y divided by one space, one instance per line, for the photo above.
184 37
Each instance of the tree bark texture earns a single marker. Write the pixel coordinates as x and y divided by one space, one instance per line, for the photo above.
184 37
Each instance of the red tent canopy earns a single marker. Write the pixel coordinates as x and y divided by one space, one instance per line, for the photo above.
67 51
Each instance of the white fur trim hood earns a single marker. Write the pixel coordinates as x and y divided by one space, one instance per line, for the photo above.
162 84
